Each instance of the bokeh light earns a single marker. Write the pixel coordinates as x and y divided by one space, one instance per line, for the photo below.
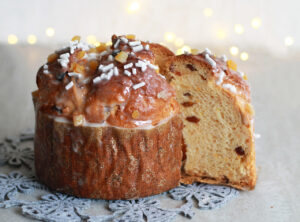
12 39
31 39
50 32
234 50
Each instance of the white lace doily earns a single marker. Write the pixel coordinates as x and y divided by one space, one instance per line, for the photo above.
17 153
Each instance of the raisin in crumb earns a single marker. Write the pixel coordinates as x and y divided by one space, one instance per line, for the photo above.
240 151
187 104
225 179
187 94
192 119
202 77
191 67
177 73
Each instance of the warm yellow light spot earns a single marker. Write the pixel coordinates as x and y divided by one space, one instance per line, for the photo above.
288 41
108 43
12 39
97 44
256 23
183 49
194 51
178 42
208 12
133 7
186 49
234 50
239 29
221 34
31 39
169 36
244 56
91 39
179 51
50 32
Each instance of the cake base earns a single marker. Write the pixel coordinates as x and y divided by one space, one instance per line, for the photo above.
107 162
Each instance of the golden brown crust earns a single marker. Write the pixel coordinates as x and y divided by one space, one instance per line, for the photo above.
107 162
161 54
118 85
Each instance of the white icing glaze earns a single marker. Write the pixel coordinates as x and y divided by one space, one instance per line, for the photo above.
105 124
139 85
220 77
210 61
230 87
69 85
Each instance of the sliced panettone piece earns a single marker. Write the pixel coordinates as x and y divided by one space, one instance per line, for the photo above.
218 120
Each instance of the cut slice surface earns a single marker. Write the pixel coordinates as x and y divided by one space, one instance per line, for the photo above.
218 128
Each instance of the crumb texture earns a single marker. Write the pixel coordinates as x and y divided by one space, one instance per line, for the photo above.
219 147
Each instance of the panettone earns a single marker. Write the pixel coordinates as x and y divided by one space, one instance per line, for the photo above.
107 123
110 126
218 141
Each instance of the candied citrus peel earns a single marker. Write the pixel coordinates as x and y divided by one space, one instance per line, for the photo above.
122 57
93 65
135 114
101 47
78 120
75 67
52 57
76 37
232 65
80 54
130 36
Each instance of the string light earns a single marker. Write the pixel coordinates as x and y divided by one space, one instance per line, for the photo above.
234 50
12 39
50 32
169 36
208 12
239 29
133 7
178 42
288 41
244 56
256 23
221 34
91 39
31 39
